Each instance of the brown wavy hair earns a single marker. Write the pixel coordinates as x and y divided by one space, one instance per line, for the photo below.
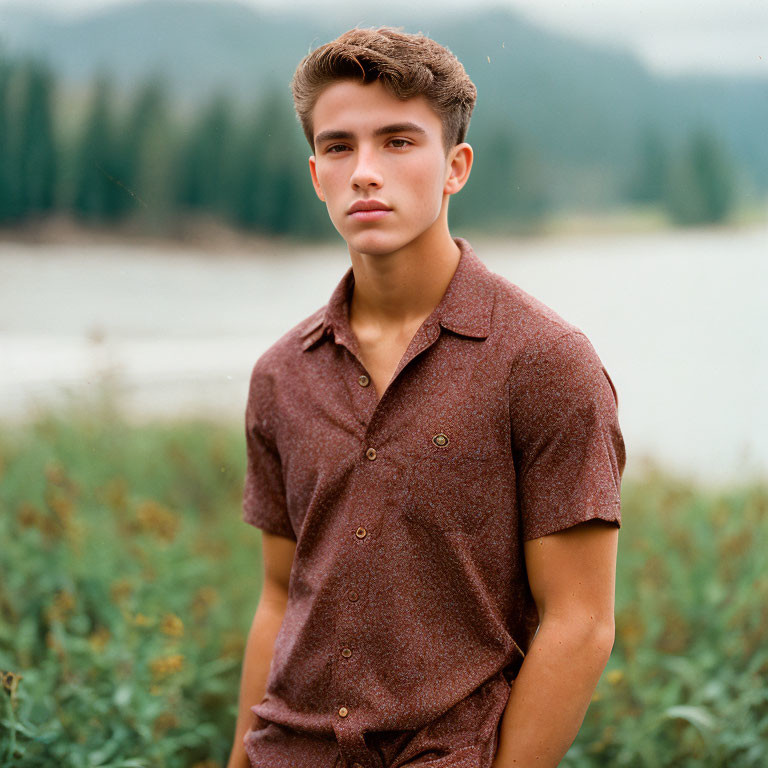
409 65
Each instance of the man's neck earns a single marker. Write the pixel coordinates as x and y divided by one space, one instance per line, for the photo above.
399 290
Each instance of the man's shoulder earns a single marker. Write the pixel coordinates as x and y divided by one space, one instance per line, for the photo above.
525 322
541 347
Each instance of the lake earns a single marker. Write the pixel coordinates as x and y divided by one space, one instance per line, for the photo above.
679 319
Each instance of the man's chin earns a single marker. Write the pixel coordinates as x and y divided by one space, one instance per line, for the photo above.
376 243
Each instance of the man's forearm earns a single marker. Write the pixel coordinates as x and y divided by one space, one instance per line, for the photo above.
551 693
257 659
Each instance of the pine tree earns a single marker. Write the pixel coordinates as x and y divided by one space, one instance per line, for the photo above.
702 185
100 192
652 172
505 190
146 154
205 175
37 161
248 180
275 183
6 203
276 194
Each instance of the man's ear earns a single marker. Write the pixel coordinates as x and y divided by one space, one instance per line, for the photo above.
313 173
459 165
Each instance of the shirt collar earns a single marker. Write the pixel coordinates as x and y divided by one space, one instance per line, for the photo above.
465 308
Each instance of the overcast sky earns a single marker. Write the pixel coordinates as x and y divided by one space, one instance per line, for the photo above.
671 36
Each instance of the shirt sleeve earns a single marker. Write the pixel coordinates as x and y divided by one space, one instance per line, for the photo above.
264 497
567 445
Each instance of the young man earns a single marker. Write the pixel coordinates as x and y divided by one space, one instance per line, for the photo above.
434 460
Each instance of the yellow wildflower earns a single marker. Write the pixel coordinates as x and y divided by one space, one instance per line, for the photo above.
165 666
172 625
99 639
204 598
63 605
164 722
121 590
615 676
155 518
61 505
10 680
28 515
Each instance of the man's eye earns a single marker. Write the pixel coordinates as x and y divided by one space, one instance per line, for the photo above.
405 142
335 146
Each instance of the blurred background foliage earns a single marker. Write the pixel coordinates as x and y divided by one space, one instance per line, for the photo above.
129 585
153 112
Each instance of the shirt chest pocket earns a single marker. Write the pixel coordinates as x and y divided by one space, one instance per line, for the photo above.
453 494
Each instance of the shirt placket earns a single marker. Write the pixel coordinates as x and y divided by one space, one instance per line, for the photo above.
349 723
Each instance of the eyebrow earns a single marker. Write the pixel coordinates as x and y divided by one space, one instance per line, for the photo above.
332 135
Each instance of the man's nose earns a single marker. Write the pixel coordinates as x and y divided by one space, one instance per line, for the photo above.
366 171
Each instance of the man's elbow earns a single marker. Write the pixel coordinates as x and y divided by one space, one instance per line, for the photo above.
605 635
587 632
599 636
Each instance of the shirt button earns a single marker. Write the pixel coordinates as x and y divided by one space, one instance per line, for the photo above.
343 711
440 440
360 532
363 380
356 765
346 652
352 595
371 453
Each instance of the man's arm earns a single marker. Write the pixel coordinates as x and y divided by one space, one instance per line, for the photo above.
572 575
277 556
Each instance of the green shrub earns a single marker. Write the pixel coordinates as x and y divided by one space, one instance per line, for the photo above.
128 582
128 586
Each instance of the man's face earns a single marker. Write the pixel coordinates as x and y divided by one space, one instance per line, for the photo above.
404 168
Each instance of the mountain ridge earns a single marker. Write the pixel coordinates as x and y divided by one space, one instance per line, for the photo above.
582 102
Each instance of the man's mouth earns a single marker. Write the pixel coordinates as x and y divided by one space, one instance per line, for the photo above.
370 215
362 206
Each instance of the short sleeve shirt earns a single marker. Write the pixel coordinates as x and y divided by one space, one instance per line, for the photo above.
408 595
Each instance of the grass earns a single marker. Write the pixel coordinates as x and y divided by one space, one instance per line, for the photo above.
128 582
128 585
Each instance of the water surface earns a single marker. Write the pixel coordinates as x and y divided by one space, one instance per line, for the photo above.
678 318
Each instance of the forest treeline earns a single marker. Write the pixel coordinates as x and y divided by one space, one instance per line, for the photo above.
144 159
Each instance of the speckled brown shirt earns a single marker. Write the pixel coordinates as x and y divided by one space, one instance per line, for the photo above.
409 611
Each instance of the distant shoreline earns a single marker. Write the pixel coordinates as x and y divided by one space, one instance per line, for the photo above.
208 232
